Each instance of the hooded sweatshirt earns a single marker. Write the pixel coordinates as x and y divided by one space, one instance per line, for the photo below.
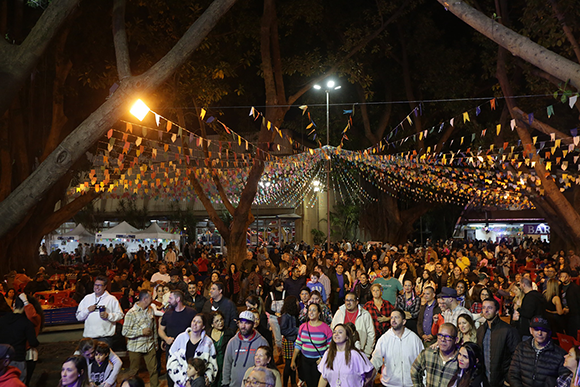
239 357
11 377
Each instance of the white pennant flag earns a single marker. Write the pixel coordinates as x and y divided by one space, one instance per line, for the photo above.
513 123
156 118
572 101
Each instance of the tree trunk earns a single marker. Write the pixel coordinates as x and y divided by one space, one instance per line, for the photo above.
14 208
552 63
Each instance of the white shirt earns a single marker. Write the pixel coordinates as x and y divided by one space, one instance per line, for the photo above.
95 326
160 277
397 356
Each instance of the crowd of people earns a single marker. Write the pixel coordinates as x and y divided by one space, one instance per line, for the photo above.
454 313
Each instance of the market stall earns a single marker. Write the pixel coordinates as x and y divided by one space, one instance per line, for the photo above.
69 241
123 233
153 235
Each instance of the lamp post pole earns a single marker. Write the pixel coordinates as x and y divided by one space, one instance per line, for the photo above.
328 171
330 85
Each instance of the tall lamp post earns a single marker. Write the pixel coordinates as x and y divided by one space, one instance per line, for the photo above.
330 85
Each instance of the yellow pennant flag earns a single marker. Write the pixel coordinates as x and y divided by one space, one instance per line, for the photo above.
498 129
466 117
202 114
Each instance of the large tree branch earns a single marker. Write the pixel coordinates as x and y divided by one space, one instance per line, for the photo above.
211 211
560 67
17 62
14 208
59 119
567 30
68 211
552 193
265 50
539 125
120 40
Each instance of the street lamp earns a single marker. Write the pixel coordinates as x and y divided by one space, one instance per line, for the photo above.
330 85
139 110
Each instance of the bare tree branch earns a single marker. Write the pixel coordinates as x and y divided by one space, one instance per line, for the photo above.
120 40
569 34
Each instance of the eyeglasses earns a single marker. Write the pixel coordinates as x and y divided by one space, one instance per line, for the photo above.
446 337
253 382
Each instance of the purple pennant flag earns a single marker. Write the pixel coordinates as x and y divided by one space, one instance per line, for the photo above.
542 145
574 132
441 127
210 119
477 110
531 118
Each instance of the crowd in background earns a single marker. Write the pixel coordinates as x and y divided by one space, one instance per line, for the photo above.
450 313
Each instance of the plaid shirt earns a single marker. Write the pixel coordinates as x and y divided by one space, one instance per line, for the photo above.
429 364
451 316
136 320
476 308
386 309
564 380
412 305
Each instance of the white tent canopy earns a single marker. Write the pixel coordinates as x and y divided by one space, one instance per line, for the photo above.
155 232
79 234
121 231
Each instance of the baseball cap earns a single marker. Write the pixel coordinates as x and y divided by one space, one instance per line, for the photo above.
538 322
248 316
447 292
6 351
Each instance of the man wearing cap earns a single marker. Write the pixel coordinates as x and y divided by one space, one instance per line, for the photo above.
448 296
537 360
240 351
498 341
9 375
177 282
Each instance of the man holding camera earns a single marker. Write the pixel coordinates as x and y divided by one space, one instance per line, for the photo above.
100 311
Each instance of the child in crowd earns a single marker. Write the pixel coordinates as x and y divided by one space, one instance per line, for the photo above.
315 285
100 368
195 372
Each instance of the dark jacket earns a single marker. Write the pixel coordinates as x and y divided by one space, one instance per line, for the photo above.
533 304
288 327
17 330
531 369
334 285
503 343
421 318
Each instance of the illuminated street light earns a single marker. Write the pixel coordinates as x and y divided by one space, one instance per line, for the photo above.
139 110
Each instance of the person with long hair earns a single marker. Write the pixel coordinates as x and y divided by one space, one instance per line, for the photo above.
192 343
466 327
289 331
571 361
423 281
554 308
380 310
74 373
471 367
312 341
343 364
220 335
409 303
263 359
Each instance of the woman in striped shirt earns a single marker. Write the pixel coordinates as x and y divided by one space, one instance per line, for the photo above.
313 340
